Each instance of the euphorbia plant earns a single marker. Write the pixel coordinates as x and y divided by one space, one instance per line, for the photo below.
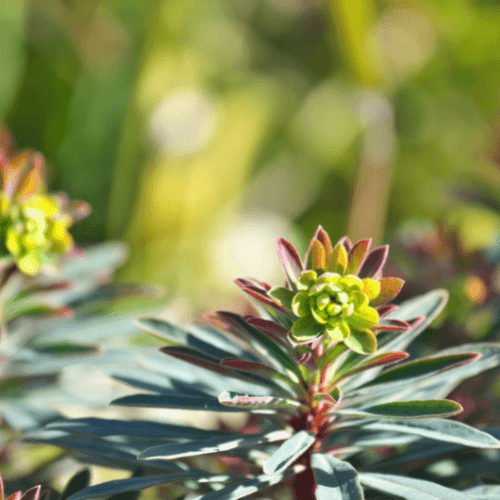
318 404
335 291
33 223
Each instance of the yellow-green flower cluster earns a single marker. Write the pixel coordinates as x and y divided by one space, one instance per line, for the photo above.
336 305
36 230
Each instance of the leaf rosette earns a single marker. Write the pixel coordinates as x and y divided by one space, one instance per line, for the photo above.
337 290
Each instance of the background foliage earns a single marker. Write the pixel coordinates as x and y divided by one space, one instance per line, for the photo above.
200 130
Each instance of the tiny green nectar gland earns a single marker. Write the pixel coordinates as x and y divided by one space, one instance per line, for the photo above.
338 294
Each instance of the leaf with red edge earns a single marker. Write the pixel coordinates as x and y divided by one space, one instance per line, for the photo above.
246 401
392 325
265 286
357 256
384 311
272 330
262 370
243 282
290 260
267 326
196 358
322 237
268 349
32 493
389 289
15 496
424 366
250 366
257 294
384 359
374 263
256 285
207 362
346 242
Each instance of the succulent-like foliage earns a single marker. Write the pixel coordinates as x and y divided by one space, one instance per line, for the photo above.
318 409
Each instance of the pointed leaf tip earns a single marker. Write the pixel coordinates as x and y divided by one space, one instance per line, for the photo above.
389 289
292 449
289 259
357 256
374 263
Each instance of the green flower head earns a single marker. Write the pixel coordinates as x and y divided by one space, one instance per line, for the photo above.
336 292
37 230
333 304
33 224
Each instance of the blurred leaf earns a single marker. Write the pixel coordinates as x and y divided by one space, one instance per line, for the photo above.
288 452
141 483
79 481
256 403
449 431
12 56
335 479
176 400
245 488
212 445
409 488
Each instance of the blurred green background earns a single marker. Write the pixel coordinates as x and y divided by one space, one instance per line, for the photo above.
201 130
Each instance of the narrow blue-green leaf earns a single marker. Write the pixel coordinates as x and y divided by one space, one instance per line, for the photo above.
483 492
428 306
288 452
248 487
151 381
96 259
181 402
270 351
212 445
406 409
490 358
351 443
214 345
335 479
114 454
22 417
140 483
425 366
427 449
191 378
78 482
439 429
143 428
87 331
201 360
251 403
220 341
47 364
409 488
429 386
